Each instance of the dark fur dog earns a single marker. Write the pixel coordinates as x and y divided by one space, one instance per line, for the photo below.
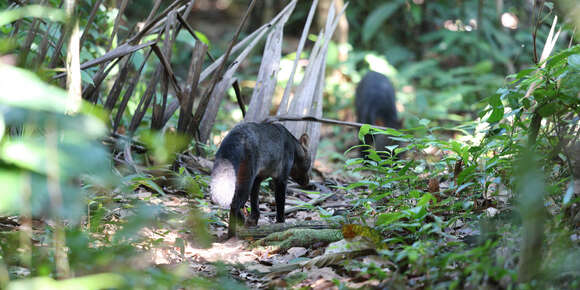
250 153
375 105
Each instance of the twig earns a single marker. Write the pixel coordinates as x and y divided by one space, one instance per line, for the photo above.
235 85
314 202
319 120
264 230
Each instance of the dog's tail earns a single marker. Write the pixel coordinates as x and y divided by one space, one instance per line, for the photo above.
223 182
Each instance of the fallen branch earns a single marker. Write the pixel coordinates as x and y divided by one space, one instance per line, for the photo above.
314 202
323 261
282 241
265 230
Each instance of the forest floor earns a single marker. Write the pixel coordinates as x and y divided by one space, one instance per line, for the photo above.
307 260
182 248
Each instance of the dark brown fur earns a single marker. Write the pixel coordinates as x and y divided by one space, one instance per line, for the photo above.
250 153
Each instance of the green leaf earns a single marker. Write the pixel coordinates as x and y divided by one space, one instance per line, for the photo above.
548 109
12 187
496 115
151 184
416 212
23 89
495 101
203 38
90 282
465 174
373 155
376 19
37 11
388 218
426 198
524 73
364 130
574 61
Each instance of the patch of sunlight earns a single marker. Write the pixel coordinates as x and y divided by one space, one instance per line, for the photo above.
381 65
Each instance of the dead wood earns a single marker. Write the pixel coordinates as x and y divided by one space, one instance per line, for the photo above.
282 241
117 23
186 109
202 107
145 101
265 230
117 52
307 98
115 92
323 261
236 85
129 93
314 202
303 37
266 81
115 138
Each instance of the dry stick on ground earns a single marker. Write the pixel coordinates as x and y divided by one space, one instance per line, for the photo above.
265 230
299 237
323 261
314 202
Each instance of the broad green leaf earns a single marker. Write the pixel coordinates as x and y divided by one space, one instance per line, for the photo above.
426 198
23 89
387 218
496 115
73 155
523 73
574 61
37 11
466 173
203 38
548 109
90 282
364 130
12 187
416 212
376 19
